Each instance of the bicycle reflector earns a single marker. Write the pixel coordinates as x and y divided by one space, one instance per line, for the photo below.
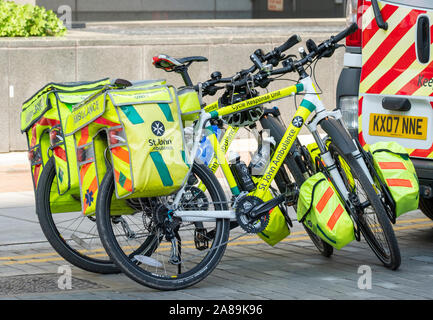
34 155
116 136
56 136
85 154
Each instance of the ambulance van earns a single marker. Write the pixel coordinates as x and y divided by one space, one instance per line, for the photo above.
385 89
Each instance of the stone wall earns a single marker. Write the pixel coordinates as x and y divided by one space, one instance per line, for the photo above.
28 64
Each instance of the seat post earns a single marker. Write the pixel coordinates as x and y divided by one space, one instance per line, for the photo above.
183 71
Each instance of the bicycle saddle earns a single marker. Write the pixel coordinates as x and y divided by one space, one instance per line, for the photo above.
168 63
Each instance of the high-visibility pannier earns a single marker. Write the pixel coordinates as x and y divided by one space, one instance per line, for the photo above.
277 228
143 127
321 210
397 171
314 152
189 104
43 119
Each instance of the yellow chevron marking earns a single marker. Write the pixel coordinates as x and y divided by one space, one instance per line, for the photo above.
390 59
33 258
381 34
414 69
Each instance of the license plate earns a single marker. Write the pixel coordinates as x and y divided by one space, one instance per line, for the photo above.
391 125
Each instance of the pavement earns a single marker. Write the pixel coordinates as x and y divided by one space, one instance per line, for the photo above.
250 269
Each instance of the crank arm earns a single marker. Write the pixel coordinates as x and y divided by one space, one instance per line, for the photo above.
260 210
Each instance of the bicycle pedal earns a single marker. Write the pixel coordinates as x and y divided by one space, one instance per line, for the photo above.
201 239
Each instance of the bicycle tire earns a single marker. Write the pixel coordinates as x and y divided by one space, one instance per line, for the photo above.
51 229
386 249
136 271
426 206
277 132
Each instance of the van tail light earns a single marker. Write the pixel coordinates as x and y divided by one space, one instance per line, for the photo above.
56 137
117 136
354 11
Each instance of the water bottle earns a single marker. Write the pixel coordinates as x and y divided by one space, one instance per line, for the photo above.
241 173
260 159
205 151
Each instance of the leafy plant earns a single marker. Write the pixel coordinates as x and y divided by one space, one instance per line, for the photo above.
28 20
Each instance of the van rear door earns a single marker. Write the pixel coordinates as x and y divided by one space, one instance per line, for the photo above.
396 88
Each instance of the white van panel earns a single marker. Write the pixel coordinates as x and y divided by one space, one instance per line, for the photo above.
420 107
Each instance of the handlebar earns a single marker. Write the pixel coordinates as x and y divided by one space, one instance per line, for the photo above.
346 32
326 48
288 44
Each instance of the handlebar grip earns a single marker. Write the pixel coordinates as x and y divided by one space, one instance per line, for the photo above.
289 43
343 34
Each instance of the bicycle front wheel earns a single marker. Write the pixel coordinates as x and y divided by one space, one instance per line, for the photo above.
281 178
369 209
169 254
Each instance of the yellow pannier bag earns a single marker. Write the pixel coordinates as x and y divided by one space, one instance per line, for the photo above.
314 152
189 104
321 210
396 170
277 228
143 127
43 118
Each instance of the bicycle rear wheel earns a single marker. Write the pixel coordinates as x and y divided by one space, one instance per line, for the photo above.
168 254
73 235
369 209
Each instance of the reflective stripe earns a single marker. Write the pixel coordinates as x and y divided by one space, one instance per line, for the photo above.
124 182
335 216
399 183
392 165
307 104
163 171
165 108
132 114
36 172
121 153
324 200
60 153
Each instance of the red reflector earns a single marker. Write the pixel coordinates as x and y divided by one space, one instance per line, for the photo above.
31 155
55 137
34 155
116 136
81 154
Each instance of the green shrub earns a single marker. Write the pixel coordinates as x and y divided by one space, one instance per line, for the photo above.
28 20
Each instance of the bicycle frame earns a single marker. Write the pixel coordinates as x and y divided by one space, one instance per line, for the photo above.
311 102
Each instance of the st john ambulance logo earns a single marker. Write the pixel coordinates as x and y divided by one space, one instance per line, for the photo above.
158 128
298 121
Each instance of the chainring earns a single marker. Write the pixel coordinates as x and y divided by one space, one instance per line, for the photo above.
243 209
